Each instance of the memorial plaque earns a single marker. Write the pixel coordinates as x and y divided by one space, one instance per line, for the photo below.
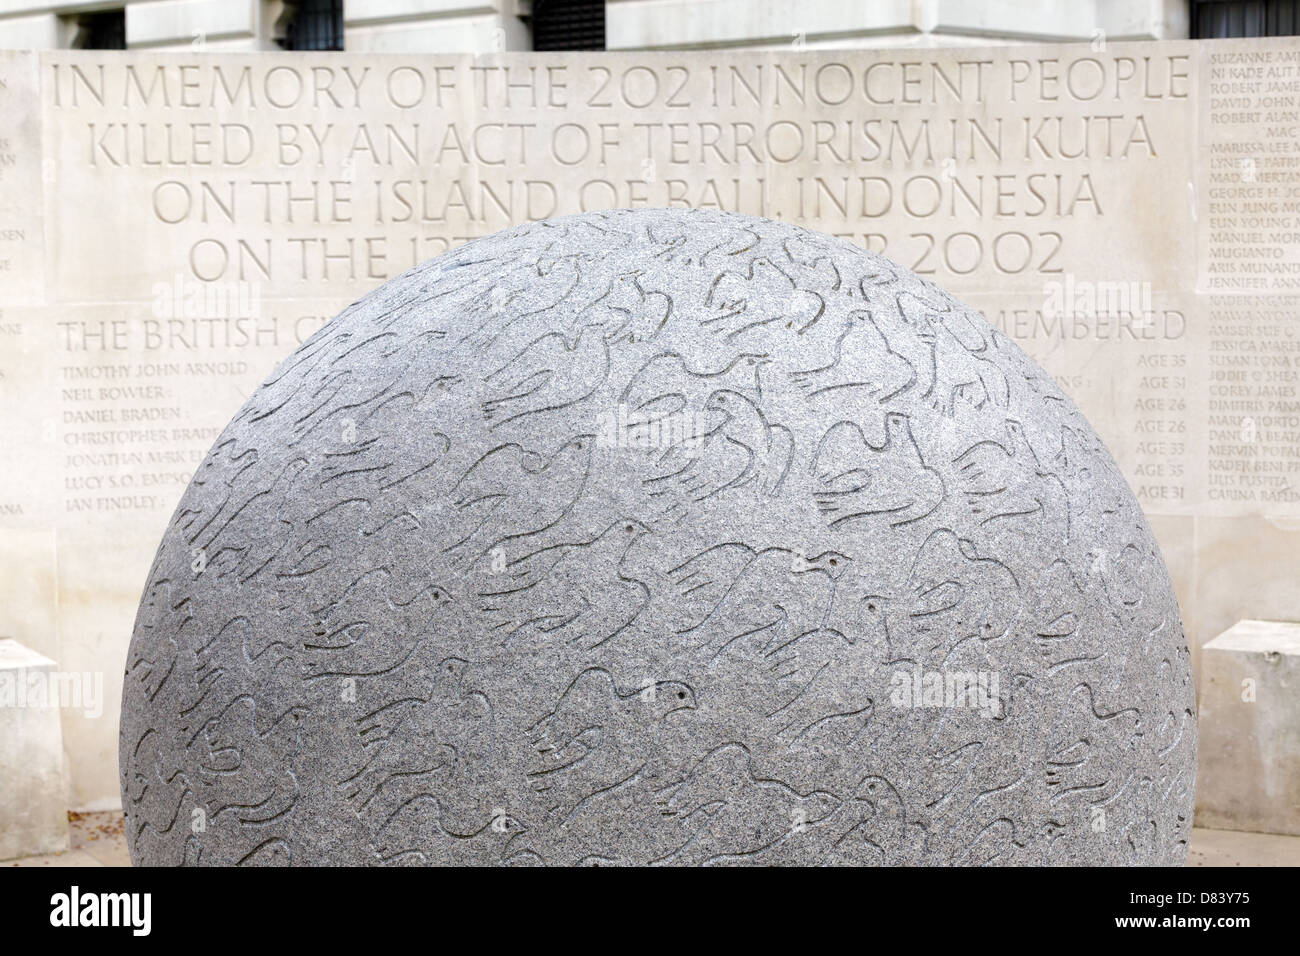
1248 179
139 389
22 166
1126 212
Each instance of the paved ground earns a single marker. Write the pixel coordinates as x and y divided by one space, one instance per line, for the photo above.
1234 848
97 840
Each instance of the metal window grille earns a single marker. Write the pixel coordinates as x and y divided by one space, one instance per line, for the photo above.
1213 19
568 24
105 30
316 25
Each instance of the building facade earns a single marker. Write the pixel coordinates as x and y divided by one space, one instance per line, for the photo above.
484 26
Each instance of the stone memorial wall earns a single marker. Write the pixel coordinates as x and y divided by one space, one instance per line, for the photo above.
172 225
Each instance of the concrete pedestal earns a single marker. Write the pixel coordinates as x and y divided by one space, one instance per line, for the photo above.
33 804
1249 729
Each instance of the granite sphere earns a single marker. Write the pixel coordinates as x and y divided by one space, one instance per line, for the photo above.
658 537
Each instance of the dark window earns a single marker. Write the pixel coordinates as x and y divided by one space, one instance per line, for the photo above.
1213 19
105 30
315 25
568 24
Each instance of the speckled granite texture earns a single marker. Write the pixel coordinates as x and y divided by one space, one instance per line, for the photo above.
658 537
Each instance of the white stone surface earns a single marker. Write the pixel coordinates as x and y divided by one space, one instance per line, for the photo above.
22 269
684 24
482 33
188 22
1250 729
36 32
33 808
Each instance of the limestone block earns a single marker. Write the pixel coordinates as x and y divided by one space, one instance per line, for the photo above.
658 537
22 268
35 32
188 21
33 805
1250 729
484 33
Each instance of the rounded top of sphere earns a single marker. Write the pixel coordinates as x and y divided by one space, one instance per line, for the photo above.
658 536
